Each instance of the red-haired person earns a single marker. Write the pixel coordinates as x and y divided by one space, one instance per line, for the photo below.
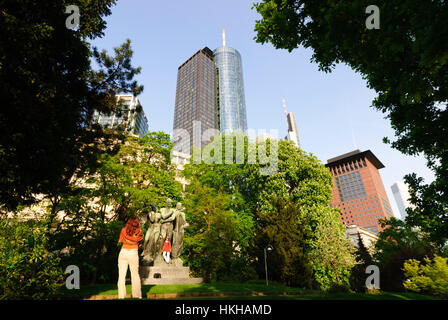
130 237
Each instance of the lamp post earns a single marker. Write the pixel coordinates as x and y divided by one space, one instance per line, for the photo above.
266 250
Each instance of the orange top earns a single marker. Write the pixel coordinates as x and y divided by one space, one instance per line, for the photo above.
130 242
167 246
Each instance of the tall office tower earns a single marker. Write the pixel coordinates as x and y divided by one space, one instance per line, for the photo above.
358 189
129 116
293 134
401 195
231 100
195 106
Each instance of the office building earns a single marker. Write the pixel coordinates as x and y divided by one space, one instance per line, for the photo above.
401 195
195 105
358 189
293 134
230 87
128 117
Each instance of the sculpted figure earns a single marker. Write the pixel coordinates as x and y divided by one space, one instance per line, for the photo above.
180 223
151 244
167 219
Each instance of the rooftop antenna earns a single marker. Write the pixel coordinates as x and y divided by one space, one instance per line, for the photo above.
284 108
223 37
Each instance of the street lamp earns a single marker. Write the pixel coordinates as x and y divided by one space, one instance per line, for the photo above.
269 248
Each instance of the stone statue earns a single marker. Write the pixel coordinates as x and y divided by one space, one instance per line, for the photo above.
180 223
167 219
151 244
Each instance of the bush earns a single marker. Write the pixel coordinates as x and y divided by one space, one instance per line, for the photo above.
27 269
432 277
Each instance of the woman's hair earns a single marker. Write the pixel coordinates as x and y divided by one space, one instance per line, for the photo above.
132 225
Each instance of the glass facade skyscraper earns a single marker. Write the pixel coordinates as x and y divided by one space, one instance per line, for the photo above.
231 100
195 106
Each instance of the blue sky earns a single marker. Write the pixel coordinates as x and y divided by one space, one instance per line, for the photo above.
332 110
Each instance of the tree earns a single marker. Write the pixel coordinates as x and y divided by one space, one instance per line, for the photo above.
397 243
290 175
284 230
358 274
50 92
27 269
210 240
432 277
404 62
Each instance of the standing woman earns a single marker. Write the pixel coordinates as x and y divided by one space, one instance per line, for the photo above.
130 237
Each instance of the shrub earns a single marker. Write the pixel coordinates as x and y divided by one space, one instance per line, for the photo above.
27 269
431 277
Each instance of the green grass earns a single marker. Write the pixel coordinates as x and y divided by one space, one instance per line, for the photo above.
222 287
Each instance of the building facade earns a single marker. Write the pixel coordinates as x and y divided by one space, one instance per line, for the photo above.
358 189
230 87
195 109
401 195
293 133
129 116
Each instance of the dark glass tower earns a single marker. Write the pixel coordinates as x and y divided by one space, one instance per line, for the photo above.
232 105
195 106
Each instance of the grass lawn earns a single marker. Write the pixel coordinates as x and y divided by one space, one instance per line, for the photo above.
273 291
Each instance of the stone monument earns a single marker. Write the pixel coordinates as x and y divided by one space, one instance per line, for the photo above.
169 222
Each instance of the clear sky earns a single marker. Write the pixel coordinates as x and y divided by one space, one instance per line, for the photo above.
332 110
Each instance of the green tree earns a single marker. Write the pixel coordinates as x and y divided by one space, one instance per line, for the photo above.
284 230
431 277
27 269
50 92
210 240
397 243
290 175
358 274
404 62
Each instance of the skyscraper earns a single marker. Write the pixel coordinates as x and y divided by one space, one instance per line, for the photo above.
358 189
129 116
401 195
195 106
230 99
293 134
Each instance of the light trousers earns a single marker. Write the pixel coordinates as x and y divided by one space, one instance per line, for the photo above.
128 257
166 256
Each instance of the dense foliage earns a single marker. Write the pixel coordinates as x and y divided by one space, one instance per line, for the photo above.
430 277
271 172
397 243
50 92
27 269
358 275
405 62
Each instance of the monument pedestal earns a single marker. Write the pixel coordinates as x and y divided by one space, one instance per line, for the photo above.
164 273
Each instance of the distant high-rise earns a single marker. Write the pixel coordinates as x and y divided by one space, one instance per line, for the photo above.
401 195
129 116
230 99
358 189
293 133
195 106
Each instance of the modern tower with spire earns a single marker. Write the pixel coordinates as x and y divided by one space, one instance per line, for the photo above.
210 94
230 88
